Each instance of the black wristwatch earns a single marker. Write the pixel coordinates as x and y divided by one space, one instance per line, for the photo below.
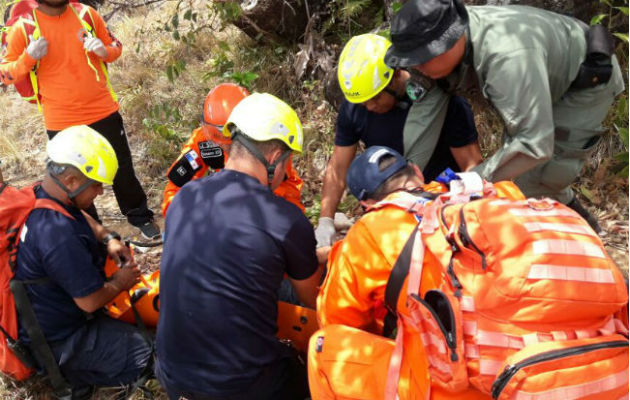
111 235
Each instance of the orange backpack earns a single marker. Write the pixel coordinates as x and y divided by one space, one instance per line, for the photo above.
527 307
15 206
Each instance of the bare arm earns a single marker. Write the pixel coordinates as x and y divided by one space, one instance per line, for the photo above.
99 230
335 178
123 279
467 156
115 248
307 289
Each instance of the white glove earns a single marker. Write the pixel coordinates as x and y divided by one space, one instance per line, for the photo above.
96 46
325 231
37 48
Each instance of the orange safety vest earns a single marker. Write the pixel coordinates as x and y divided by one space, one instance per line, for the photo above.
290 189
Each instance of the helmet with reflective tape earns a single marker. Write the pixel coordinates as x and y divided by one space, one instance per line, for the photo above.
217 107
263 117
87 150
362 72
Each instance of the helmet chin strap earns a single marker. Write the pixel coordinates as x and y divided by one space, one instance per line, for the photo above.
71 194
271 168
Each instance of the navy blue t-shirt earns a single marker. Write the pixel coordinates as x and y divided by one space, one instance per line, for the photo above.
65 251
355 123
228 242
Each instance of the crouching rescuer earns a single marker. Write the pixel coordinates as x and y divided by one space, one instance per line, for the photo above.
216 336
60 262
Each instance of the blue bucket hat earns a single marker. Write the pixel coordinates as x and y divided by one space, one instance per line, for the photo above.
364 176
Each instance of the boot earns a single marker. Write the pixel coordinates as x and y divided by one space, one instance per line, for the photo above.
590 218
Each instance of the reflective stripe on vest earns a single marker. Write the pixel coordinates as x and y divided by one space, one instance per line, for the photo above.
554 227
569 247
565 273
528 212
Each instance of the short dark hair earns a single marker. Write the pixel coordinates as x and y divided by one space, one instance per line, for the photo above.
395 181
266 147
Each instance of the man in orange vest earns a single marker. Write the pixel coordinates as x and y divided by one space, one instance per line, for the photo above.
359 267
68 48
208 150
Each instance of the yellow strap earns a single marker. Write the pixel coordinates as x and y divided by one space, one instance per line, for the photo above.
33 72
90 30
33 76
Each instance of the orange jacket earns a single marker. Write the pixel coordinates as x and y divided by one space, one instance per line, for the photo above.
353 293
290 189
70 92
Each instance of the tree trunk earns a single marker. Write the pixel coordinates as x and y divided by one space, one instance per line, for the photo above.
273 20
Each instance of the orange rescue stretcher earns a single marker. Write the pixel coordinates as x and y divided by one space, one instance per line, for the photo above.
295 324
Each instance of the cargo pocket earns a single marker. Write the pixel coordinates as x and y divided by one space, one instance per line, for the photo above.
570 369
352 363
438 319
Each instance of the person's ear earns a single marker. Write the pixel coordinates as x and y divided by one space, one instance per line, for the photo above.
274 155
71 181
417 171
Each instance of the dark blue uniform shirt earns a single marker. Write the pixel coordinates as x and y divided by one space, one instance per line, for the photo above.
66 251
355 123
228 242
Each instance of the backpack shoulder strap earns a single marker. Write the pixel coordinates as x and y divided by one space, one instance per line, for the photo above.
41 349
395 283
52 205
84 15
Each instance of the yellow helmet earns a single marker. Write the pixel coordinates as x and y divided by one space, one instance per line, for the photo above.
85 149
362 72
263 117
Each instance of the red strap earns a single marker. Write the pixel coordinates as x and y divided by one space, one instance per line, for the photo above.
395 362
52 205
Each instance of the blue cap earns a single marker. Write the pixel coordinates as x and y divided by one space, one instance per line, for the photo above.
364 176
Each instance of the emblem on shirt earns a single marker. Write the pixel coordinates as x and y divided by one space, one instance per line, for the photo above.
82 34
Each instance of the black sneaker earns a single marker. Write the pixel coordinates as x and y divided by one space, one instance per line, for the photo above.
150 230
590 218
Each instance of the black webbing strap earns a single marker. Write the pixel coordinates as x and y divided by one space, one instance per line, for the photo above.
41 350
144 331
395 283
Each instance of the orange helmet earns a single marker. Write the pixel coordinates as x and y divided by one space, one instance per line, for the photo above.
217 108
